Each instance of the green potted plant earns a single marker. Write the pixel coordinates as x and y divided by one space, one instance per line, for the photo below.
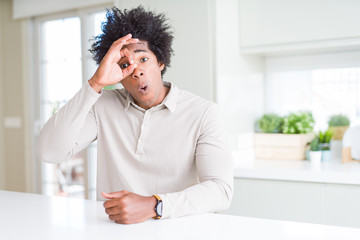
271 123
338 124
298 123
315 154
284 137
324 141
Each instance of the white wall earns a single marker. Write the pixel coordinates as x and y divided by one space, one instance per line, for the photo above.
239 79
192 65
207 59
2 159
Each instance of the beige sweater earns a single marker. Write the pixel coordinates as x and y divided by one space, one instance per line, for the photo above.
175 149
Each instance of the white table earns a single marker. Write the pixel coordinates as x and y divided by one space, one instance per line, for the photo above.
30 216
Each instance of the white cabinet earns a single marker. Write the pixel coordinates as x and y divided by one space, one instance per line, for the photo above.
276 25
323 203
281 200
342 205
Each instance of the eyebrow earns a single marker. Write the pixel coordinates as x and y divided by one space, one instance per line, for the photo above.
140 50
136 51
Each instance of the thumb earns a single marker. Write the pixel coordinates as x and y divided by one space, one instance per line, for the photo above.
113 194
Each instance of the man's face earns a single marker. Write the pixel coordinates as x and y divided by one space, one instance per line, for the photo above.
144 83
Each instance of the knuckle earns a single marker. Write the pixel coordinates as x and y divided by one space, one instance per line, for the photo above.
125 217
124 220
107 211
122 201
115 217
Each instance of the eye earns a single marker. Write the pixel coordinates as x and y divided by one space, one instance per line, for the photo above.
124 65
144 59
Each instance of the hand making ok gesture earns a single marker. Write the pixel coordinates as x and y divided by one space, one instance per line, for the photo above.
109 71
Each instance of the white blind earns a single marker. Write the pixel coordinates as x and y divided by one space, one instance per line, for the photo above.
26 8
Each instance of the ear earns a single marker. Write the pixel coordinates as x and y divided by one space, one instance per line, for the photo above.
161 66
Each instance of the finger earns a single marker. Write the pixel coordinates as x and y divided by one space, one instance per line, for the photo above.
117 217
124 38
118 44
128 39
131 40
113 194
123 221
113 210
112 203
129 70
116 48
107 195
126 53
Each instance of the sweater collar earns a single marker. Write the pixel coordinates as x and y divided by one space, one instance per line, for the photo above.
169 101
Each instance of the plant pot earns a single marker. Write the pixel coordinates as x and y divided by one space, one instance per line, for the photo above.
338 131
307 154
325 146
281 146
326 156
315 157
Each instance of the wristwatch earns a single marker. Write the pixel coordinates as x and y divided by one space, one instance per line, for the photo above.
158 207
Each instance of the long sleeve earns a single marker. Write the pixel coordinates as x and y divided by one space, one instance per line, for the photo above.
215 171
71 129
176 150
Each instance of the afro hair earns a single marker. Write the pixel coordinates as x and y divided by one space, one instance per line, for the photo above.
144 25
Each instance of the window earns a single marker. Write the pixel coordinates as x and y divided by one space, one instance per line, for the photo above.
325 84
64 65
61 77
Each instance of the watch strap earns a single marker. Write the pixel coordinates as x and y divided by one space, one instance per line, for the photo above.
157 205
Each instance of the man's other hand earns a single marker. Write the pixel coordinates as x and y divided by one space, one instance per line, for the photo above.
127 207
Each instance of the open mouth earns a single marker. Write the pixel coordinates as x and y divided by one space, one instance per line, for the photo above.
143 88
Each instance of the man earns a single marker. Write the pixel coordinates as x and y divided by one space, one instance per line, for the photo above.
161 151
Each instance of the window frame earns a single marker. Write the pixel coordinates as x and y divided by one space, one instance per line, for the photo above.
36 91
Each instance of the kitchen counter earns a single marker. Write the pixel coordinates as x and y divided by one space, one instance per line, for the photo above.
333 172
296 190
31 216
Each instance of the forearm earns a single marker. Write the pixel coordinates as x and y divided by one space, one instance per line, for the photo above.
214 165
58 138
214 191
208 196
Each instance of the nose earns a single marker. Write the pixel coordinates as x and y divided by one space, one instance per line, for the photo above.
137 73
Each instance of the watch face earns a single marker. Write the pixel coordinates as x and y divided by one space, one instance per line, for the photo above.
159 208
